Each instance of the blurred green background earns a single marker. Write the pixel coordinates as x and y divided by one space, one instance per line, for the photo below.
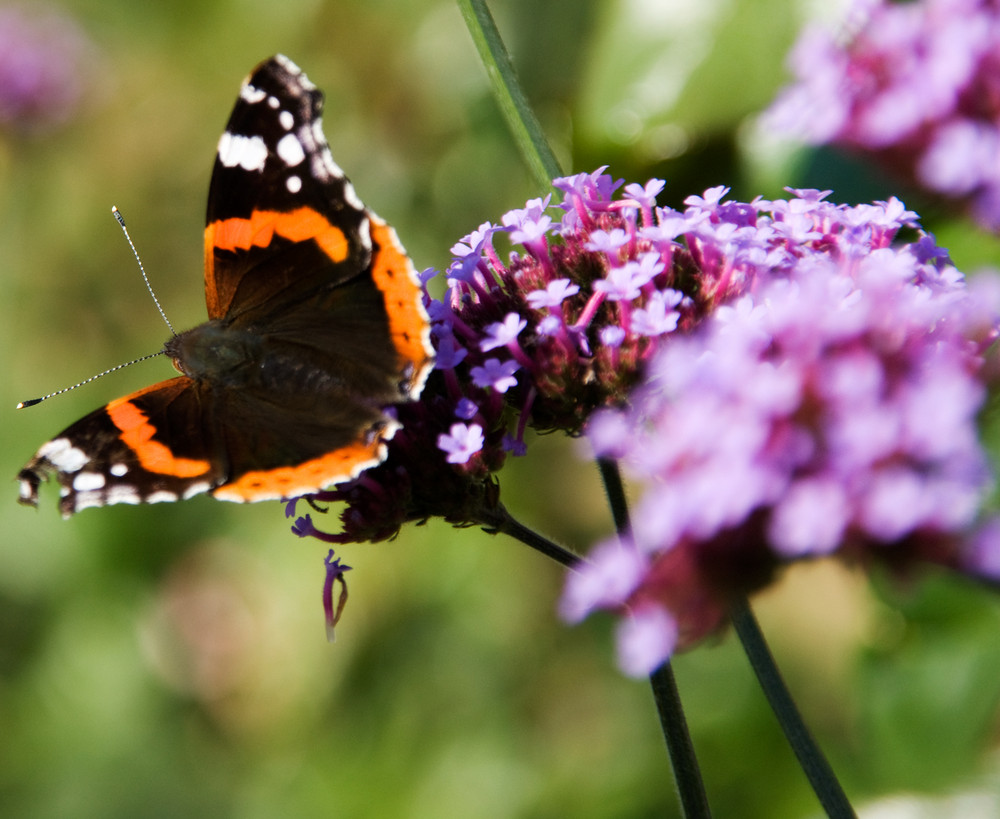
171 660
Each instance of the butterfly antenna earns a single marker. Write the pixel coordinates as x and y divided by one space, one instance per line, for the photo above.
32 401
121 221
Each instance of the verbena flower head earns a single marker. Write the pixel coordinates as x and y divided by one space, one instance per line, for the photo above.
542 340
917 85
829 406
43 67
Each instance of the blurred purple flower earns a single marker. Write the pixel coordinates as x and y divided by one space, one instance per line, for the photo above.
829 406
917 86
44 67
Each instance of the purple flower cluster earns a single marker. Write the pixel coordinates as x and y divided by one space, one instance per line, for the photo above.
560 329
829 406
591 287
43 71
785 379
917 85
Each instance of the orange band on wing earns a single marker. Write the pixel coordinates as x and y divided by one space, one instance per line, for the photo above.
137 435
394 276
259 230
311 476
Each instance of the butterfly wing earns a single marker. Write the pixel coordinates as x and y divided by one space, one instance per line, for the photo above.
283 221
148 447
285 227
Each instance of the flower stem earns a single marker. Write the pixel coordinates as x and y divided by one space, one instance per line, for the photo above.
507 89
615 489
545 167
682 757
814 763
503 521
687 774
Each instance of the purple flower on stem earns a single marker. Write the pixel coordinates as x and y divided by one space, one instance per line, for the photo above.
502 333
523 344
554 294
916 87
461 442
830 407
496 374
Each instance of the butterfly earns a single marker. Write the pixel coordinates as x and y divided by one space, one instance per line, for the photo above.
316 326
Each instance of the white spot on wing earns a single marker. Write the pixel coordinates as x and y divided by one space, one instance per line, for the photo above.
196 489
87 481
294 184
63 455
320 138
84 500
292 68
161 497
287 120
123 494
247 152
365 233
351 197
251 93
118 470
290 150
273 102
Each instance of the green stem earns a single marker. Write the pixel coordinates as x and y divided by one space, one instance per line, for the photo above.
513 104
502 521
543 164
611 476
814 763
668 702
687 773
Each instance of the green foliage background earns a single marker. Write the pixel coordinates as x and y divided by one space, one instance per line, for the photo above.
170 660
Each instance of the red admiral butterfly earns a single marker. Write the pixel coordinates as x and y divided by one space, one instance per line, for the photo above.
316 323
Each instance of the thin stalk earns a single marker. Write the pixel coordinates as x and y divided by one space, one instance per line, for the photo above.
668 702
817 769
513 104
614 488
687 774
545 167
504 522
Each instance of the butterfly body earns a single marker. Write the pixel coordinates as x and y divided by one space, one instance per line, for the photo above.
316 325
